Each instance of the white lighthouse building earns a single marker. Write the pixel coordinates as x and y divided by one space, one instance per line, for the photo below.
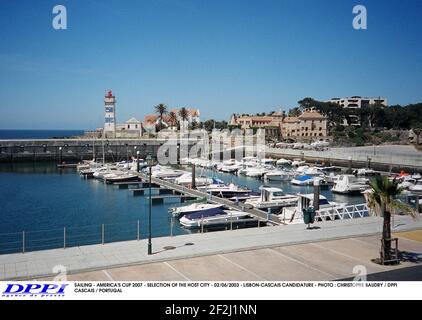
110 115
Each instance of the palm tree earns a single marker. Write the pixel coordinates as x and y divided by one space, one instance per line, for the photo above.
382 200
161 109
173 118
183 114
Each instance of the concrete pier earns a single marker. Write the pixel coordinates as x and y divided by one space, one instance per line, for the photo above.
277 253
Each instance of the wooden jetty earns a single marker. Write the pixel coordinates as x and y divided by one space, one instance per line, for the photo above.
154 191
194 194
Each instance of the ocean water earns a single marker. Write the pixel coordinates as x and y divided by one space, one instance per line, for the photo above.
42 200
38 134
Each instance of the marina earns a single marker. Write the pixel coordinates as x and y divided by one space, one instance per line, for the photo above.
235 201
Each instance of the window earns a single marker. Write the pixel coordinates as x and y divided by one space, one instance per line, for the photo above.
320 134
128 126
320 128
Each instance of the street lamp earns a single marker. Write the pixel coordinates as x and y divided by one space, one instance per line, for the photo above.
137 160
150 163
60 151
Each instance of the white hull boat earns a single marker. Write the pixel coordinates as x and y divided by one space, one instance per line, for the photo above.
212 217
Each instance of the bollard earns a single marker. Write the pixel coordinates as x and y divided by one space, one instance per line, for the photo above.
231 220
171 226
138 235
202 224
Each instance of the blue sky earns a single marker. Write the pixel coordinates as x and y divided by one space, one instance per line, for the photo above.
221 56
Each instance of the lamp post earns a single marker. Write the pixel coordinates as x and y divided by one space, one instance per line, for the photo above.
369 162
137 160
60 154
150 163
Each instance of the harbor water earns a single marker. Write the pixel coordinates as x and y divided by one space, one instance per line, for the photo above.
43 207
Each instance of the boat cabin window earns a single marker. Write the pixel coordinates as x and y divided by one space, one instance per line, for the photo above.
323 202
278 194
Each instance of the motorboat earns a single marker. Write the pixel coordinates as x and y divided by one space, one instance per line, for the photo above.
256 172
268 162
417 187
101 172
272 198
225 191
347 184
297 163
407 182
278 175
314 171
283 162
303 180
301 169
211 217
162 172
186 179
120 177
192 208
366 172
294 214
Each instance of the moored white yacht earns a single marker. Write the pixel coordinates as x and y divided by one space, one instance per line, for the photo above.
278 175
347 184
272 198
186 179
194 207
211 217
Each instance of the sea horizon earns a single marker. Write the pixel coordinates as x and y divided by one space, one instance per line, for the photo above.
6 134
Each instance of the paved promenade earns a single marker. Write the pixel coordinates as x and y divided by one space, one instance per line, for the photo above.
264 254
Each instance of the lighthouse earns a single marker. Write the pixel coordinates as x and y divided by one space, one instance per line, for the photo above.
110 115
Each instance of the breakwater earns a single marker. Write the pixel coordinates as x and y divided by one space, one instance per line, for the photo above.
74 150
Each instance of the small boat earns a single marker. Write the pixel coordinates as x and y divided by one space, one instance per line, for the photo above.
301 169
225 191
417 187
283 162
304 180
314 171
348 184
366 172
186 179
120 177
192 208
256 172
297 163
272 198
166 172
211 217
407 182
294 214
278 175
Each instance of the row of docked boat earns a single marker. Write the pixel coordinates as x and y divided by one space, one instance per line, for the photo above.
109 173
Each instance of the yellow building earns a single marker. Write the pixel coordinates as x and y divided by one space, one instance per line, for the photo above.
310 125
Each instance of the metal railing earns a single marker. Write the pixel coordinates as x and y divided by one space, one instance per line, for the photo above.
343 212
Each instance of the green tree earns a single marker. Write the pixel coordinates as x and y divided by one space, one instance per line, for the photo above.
161 109
173 118
295 112
382 200
183 114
